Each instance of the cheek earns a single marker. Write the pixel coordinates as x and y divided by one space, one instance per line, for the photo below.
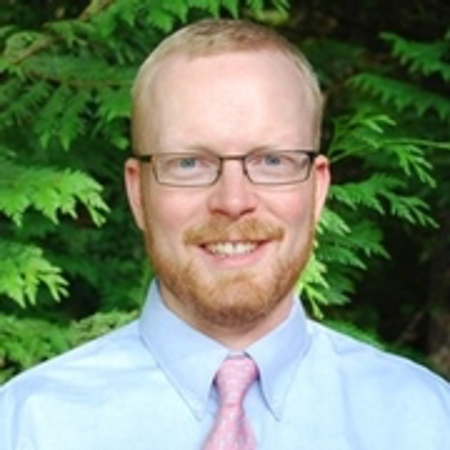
296 215
295 209
170 214
300 227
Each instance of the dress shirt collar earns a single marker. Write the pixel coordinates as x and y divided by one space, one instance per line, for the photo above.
190 359
278 355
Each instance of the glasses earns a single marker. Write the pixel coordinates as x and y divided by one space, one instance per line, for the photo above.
204 169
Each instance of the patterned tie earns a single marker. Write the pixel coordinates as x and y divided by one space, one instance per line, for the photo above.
231 430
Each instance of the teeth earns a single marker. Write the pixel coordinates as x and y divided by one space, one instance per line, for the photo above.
231 248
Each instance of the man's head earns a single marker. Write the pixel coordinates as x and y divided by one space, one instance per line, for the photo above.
229 223
208 38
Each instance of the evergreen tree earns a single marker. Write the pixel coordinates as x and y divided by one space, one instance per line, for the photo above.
65 230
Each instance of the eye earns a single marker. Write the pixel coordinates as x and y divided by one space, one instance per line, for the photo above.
275 160
187 162
271 159
187 165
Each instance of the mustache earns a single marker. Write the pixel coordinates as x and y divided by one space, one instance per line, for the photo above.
221 230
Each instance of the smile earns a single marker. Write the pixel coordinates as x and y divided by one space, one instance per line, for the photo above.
231 248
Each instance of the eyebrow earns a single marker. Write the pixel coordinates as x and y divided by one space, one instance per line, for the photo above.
204 150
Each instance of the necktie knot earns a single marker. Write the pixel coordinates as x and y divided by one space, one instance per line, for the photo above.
234 378
231 430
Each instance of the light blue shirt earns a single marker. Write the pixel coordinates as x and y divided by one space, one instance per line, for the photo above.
149 386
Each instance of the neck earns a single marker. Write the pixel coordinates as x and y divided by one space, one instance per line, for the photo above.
236 338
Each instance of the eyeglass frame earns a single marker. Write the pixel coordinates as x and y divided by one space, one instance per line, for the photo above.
310 153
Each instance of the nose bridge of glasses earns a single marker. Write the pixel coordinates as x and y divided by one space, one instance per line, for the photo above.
240 159
233 193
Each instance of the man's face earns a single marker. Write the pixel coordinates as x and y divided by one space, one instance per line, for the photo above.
228 255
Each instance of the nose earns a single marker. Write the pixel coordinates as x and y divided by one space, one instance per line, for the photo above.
233 194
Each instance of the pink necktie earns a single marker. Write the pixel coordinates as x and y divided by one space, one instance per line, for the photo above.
231 430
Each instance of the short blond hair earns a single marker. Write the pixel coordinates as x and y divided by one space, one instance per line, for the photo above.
217 36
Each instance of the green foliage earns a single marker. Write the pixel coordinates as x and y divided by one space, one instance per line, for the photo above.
370 337
24 270
403 95
27 341
99 324
349 234
64 129
427 69
422 58
53 193
49 191
70 84
390 161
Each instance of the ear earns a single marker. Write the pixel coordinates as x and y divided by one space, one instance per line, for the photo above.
133 184
322 184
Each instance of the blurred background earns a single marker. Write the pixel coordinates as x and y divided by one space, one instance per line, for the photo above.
72 264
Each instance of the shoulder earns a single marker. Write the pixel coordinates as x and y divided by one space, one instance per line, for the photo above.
370 369
81 368
379 399
66 379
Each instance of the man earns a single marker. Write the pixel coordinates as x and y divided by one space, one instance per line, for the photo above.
227 186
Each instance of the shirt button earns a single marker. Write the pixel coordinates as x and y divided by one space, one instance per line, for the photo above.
198 408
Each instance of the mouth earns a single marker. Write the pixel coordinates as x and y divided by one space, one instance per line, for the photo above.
230 249
234 245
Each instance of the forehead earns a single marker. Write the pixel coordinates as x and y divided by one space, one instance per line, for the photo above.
245 90
268 66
